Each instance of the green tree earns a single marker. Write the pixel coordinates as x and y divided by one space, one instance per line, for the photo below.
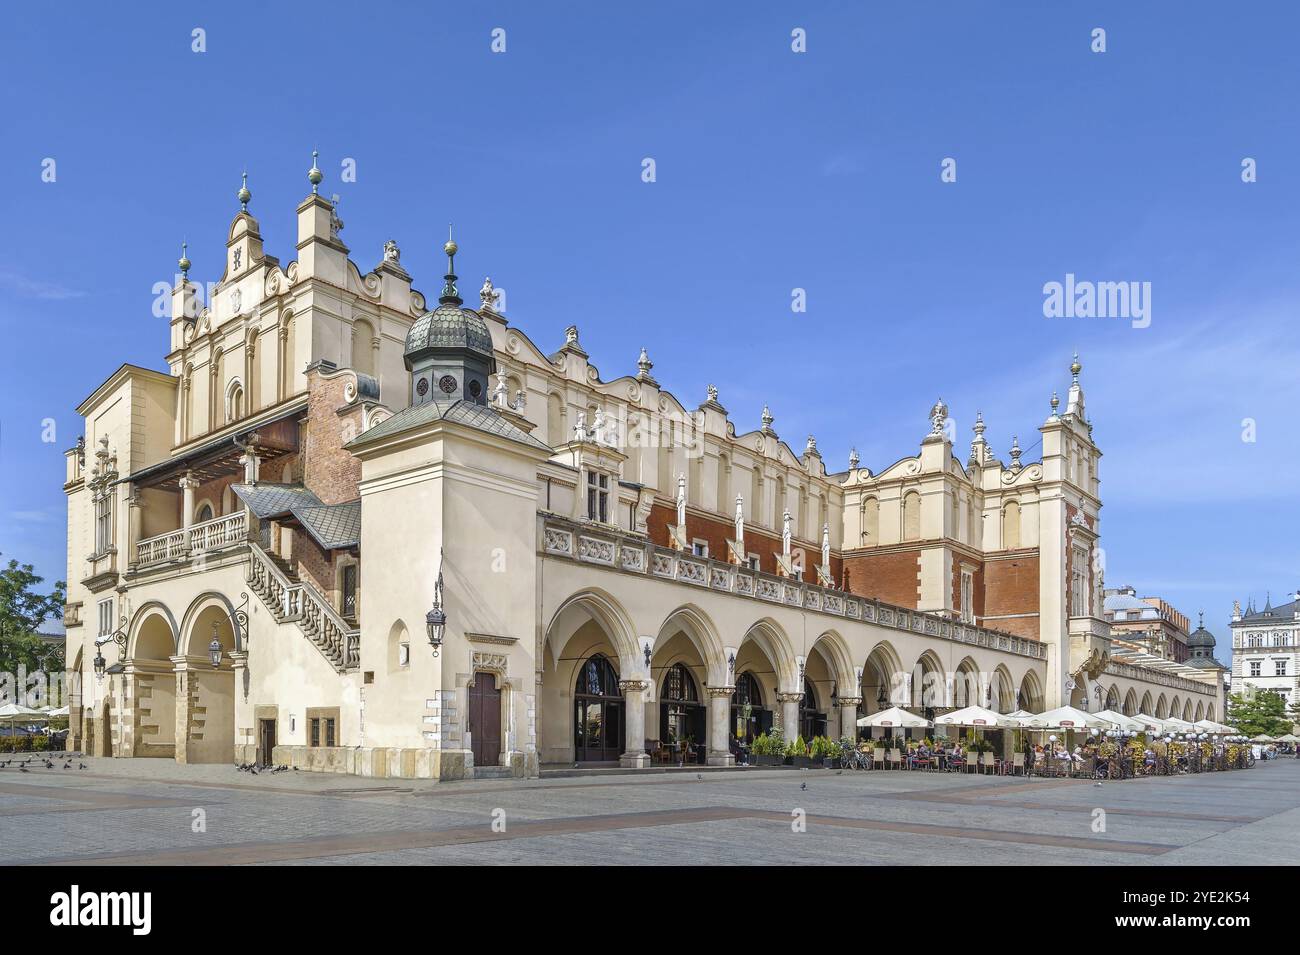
1263 711
23 609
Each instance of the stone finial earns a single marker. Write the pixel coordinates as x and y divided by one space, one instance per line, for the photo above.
979 424
1056 403
521 400
712 393
854 460
1015 453
767 418
392 253
336 224
938 415
500 392
580 427
488 295
1075 368
644 364
244 195
183 263
811 446
314 175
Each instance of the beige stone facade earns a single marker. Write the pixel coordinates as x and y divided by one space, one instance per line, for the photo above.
619 569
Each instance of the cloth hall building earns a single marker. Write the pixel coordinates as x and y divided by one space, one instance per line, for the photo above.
353 530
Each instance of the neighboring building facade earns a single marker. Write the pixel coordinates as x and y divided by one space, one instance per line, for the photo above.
1149 622
1266 648
327 457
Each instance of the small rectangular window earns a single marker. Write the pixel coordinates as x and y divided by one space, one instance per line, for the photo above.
597 497
700 548
329 732
315 732
105 617
404 655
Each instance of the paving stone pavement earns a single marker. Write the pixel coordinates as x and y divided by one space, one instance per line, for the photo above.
141 812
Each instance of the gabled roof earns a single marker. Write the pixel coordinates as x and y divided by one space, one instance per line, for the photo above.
458 411
332 526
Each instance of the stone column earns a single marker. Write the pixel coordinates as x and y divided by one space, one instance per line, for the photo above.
719 717
634 754
849 716
790 714
135 515
184 707
189 484
245 725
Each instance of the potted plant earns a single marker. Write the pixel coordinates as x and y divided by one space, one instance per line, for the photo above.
768 750
798 753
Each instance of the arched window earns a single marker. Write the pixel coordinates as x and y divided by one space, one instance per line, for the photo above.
363 355
1010 525
811 721
870 522
911 516
204 513
748 716
234 400
598 716
682 716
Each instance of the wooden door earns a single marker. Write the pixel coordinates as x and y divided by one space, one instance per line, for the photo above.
485 720
266 742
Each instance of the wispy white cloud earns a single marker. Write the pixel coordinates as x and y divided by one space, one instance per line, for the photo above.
26 287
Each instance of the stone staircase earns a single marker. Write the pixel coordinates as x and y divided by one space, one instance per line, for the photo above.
293 600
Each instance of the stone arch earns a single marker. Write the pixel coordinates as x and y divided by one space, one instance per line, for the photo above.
1162 708
203 602
362 352
967 687
1187 710
929 683
1130 704
1209 711
609 614
883 678
911 529
1030 696
1200 711
1002 693
1010 525
1147 705
1112 698
772 639
700 630
161 635
839 659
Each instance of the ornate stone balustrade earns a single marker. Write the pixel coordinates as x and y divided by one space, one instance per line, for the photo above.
1146 674
299 602
201 538
634 555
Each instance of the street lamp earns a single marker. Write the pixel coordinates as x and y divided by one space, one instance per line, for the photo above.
100 663
214 648
435 621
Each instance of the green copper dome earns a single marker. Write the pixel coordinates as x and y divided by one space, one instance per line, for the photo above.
449 326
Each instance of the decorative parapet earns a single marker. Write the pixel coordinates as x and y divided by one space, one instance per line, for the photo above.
609 548
1134 671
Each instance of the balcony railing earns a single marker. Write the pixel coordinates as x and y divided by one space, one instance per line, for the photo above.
197 539
635 555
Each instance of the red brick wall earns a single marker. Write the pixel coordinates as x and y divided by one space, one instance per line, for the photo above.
717 532
1010 586
328 470
313 564
890 576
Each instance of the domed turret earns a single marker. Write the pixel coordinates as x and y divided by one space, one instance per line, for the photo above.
1200 642
449 350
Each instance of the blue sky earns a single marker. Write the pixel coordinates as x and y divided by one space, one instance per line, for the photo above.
775 170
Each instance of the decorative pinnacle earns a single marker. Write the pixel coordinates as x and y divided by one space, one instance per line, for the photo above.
1075 368
767 418
1015 452
1056 402
979 424
244 195
449 293
644 364
314 175
184 262
854 460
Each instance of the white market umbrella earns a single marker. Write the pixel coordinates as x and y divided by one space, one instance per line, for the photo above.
1289 738
1210 726
1019 714
894 717
1179 726
1150 723
61 711
1262 738
1120 720
14 711
975 716
1067 718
